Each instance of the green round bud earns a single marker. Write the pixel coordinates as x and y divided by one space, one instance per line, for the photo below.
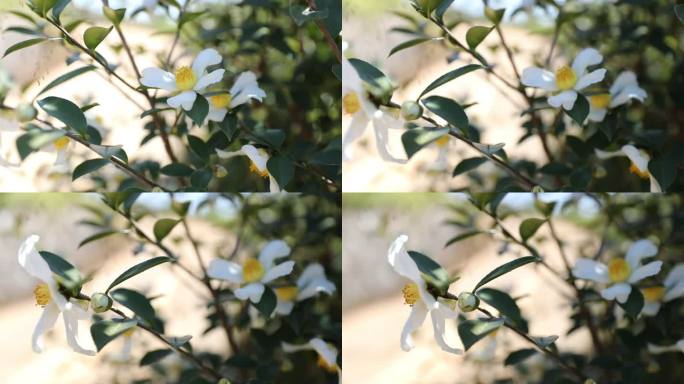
537 189
100 302
220 171
157 189
25 112
468 302
411 110
223 381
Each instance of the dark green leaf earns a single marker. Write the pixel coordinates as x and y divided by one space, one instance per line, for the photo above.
107 330
505 304
114 15
199 111
462 236
136 302
281 168
517 357
87 167
371 75
468 165
66 77
59 8
416 139
449 110
529 227
67 275
152 357
434 273
177 170
679 11
476 35
494 15
411 43
472 331
137 269
580 111
634 303
41 7
505 268
187 17
163 227
66 112
268 302
100 235
24 44
450 76
93 36
199 147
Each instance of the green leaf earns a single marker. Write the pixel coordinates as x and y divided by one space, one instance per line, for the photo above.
281 168
199 147
434 273
87 167
580 110
506 306
199 111
472 331
39 139
489 149
163 227
268 302
114 15
66 77
93 36
545 341
371 75
137 269
416 139
187 17
41 7
136 302
634 303
494 15
456 73
412 43
449 110
24 44
66 112
505 268
59 8
468 165
476 35
517 357
107 330
152 357
67 275
529 227
100 235
679 11
177 170
462 236
273 138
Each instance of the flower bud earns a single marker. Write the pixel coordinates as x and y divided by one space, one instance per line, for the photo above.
411 110
25 112
537 189
224 381
220 171
157 189
468 302
100 302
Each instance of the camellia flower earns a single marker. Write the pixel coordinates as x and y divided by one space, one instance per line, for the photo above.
51 299
258 158
442 145
310 283
244 89
417 296
672 288
188 81
624 89
639 167
620 274
254 273
327 353
678 347
566 82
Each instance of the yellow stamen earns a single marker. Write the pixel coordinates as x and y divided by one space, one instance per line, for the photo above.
287 293
129 332
635 170
252 270
42 294
442 141
261 172
601 101
351 103
324 364
618 270
61 143
411 294
566 78
653 294
185 78
221 101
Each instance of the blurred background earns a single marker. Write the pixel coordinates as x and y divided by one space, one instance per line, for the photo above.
309 224
374 309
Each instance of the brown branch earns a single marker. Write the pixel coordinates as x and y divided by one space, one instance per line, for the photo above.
330 40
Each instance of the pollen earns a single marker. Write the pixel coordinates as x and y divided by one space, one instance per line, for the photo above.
351 103
287 293
641 173
61 143
42 294
618 270
221 101
442 141
185 78
411 294
652 294
566 78
601 101
261 172
252 270
129 332
327 367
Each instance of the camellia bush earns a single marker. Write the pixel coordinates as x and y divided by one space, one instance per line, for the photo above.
272 298
624 284
254 109
603 99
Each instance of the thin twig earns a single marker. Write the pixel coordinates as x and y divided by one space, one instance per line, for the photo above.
326 33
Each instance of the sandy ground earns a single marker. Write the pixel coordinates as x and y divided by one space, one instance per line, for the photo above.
374 312
412 70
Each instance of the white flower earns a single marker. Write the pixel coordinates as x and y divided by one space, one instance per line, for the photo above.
639 167
356 104
254 273
417 296
187 81
566 82
441 162
244 89
258 158
620 274
672 288
621 92
311 282
124 354
48 296
327 353
678 347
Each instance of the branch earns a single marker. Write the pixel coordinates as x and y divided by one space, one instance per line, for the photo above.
328 37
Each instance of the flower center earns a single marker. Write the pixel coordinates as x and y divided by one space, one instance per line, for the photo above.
635 170
566 78
185 78
351 103
442 141
324 364
61 143
252 270
129 332
221 101
652 294
618 270
601 101
254 168
287 293
411 294
42 294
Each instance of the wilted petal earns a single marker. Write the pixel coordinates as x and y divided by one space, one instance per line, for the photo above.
72 314
382 122
415 320
587 57
251 291
439 316
566 99
185 100
618 291
204 59
280 270
590 78
588 269
647 270
157 78
539 78
225 270
45 323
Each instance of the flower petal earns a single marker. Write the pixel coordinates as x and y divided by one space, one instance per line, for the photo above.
258 157
590 78
402 263
324 350
32 262
245 88
158 78
45 323
624 80
382 122
565 98
225 270
280 270
654 185
588 269
587 57
209 79
274 249
185 100
607 155
647 270
627 94
675 276
319 285
251 291
597 114
216 114
539 78
273 186
650 309
439 316
639 250
674 292
354 132
72 314
284 308
228 154
638 158
204 59
415 320
618 291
